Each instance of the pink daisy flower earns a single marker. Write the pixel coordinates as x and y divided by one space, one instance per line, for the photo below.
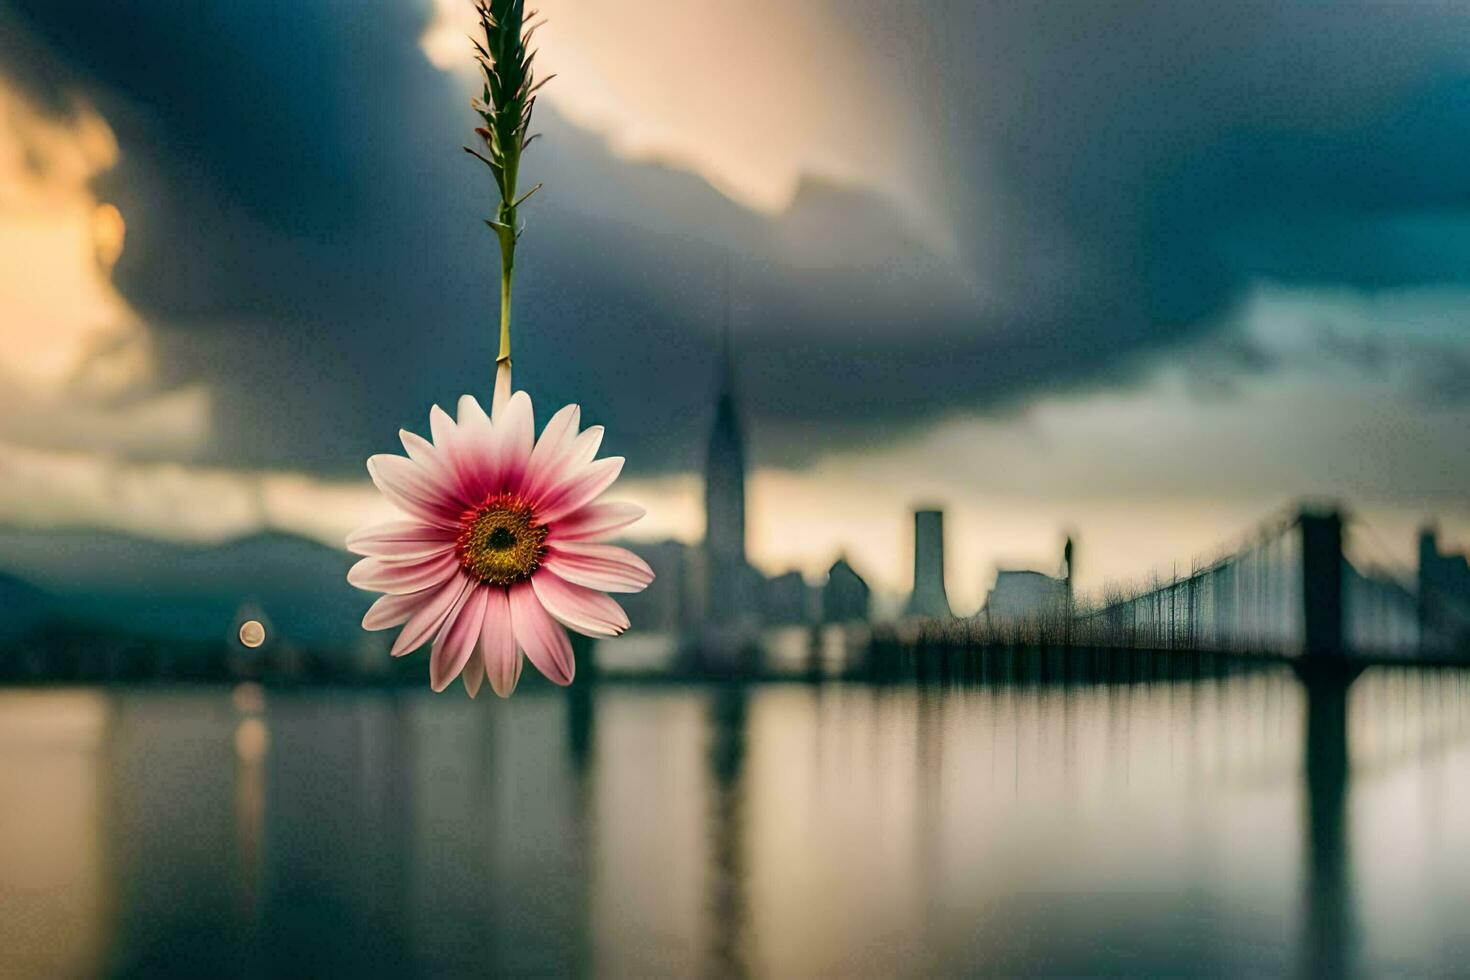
499 547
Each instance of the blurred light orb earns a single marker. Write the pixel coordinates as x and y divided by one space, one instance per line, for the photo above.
252 633
109 231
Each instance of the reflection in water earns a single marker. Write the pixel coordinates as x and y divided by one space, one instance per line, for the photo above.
727 952
581 725
54 902
1208 825
581 744
252 739
1329 940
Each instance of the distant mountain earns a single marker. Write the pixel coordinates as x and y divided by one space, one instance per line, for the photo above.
184 592
23 607
94 583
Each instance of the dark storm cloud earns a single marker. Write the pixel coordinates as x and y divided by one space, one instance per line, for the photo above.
304 228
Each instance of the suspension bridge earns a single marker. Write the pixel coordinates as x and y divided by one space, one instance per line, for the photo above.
1302 586
1307 585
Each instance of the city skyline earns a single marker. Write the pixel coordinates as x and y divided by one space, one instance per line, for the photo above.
1006 347
983 488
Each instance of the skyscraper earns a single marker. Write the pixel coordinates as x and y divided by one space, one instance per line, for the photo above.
726 572
929 597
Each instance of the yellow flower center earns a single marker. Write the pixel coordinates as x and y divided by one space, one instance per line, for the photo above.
500 541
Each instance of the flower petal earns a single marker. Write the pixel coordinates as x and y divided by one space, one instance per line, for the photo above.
437 459
402 577
471 414
393 610
400 540
515 438
423 624
498 644
457 638
586 446
547 458
579 489
466 457
576 607
594 521
473 674
545 642
419 449
441 428
476 442
412 488
604 567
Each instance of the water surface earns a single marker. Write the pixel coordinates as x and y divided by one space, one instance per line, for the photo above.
781 829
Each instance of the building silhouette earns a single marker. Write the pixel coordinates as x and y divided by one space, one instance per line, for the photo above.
845 597
1069 573
1021 594
713 584
929 597
786 600
672 600
731 586
1444 594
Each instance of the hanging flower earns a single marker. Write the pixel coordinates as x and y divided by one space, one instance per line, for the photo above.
501 541
500 545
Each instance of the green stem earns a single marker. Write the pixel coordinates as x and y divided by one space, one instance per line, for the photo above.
506 216
507 97
507 271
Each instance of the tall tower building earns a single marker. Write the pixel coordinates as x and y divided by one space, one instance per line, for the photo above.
726 571
929 597
1069 560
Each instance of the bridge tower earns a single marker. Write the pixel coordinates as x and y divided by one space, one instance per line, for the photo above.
1323 640
1326 674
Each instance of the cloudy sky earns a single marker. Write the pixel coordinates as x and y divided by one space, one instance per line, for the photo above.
1143 271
